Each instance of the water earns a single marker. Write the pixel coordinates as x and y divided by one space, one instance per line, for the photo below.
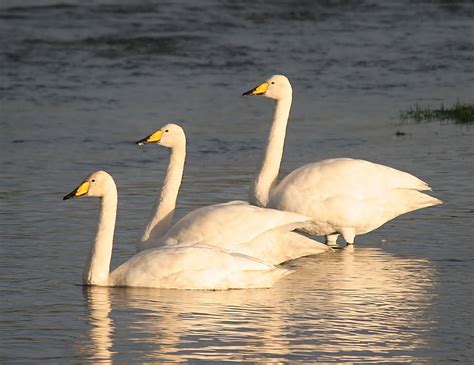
81 81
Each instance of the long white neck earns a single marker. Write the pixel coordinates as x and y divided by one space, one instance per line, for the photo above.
96 271
267 175
162 214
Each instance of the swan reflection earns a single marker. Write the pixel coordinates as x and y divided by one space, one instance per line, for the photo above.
101 325
366 305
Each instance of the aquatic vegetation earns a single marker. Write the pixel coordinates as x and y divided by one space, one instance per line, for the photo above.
459 113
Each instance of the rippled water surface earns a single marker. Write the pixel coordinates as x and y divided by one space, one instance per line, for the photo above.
81 80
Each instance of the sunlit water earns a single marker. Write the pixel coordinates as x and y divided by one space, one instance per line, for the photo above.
80 83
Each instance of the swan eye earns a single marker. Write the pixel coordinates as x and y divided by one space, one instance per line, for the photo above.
273 82
167 131
93 180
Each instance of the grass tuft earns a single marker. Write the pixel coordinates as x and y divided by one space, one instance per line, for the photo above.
459 113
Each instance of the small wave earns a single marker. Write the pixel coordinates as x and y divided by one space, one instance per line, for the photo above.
123 46
12 17
36 8
126 9
145 44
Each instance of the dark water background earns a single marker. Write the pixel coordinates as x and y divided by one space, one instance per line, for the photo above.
81 80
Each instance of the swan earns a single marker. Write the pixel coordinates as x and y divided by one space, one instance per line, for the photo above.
236 226
182 267
343 195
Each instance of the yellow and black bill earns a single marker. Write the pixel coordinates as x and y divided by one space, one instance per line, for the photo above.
81 190
259 90
155 137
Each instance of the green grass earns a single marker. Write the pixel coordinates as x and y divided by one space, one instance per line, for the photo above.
459 113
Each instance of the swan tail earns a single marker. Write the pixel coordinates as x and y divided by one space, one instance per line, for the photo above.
408 181
410 200
261 279
401 179
425 200
304 246
275 247
428 188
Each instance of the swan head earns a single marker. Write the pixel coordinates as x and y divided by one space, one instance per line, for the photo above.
170 135
276 87
96 184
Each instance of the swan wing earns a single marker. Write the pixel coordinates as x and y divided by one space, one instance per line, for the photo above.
327 178
230 224
278 246
195 267
347 192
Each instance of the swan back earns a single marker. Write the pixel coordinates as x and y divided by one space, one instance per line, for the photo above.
344 192
230 224
195 267
348 176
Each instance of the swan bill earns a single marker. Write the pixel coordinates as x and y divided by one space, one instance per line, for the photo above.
155 137
259 90
81 190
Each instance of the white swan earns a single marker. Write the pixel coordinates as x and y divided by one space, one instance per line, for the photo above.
181 267
236 226
342 196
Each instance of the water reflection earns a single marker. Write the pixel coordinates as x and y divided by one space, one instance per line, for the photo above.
372 305
182 325
101 328
359 306
365 305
